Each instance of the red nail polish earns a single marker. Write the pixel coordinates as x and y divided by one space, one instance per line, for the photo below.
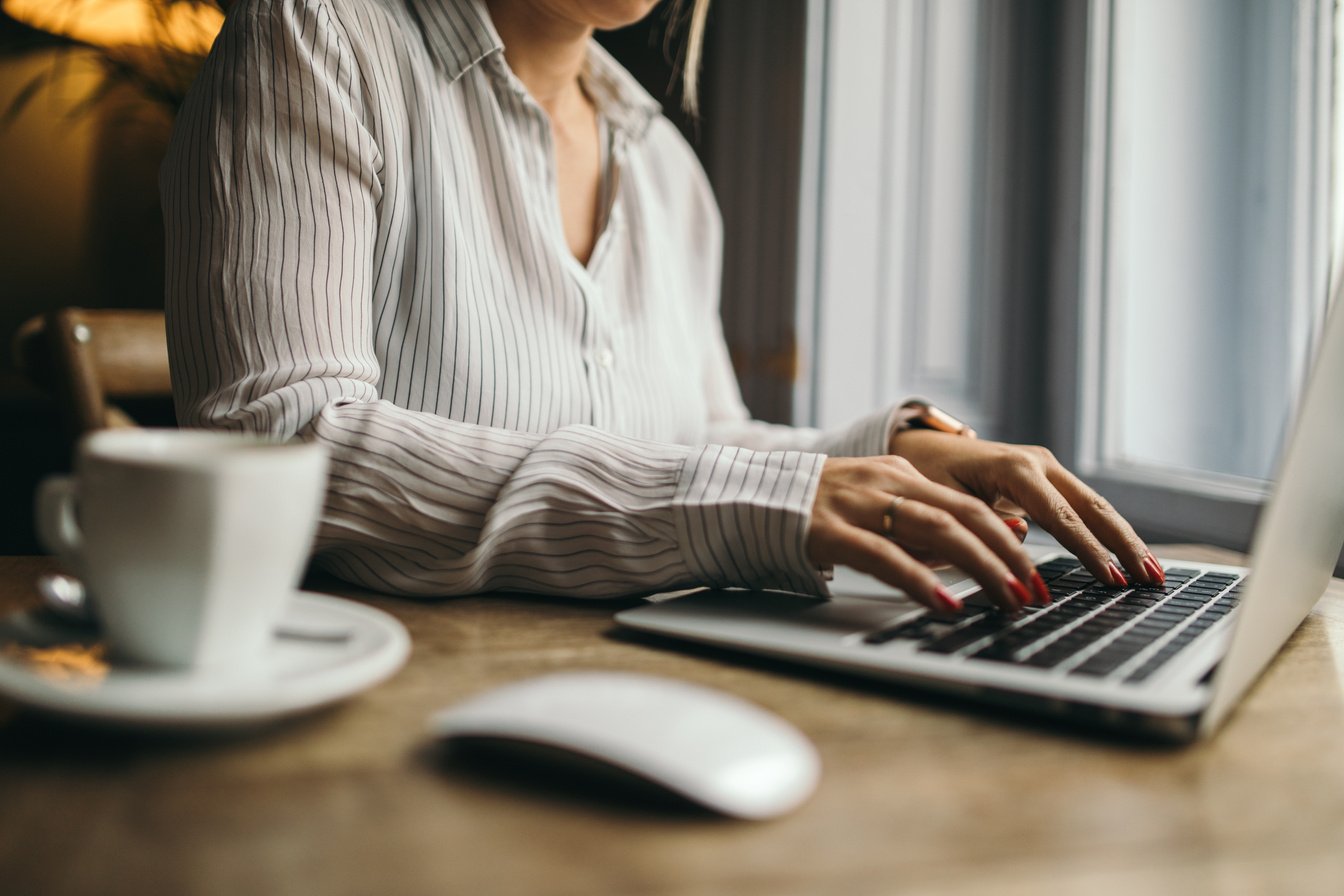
1150 563
1019 590
1015 523
1117 577
1041 591
947 600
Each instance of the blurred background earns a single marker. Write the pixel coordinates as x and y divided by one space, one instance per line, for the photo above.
87 96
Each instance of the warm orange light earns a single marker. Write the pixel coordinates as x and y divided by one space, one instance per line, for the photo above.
189 26
74 664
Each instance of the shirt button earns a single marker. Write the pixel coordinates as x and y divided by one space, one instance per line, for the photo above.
605 357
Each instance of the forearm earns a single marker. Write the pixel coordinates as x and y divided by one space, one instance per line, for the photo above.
422 505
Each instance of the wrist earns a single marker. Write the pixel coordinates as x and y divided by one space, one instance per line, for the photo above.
919 415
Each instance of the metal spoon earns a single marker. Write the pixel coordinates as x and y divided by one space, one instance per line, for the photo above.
66 597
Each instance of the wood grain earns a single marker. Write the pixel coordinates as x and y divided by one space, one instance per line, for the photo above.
918 795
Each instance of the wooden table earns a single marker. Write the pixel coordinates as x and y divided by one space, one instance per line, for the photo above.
917 794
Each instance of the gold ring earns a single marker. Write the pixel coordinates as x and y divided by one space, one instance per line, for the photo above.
889 518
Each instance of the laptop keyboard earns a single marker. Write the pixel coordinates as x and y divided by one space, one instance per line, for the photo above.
1089 629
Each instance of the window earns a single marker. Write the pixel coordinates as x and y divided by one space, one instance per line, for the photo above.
1104 226
1205 249
904 167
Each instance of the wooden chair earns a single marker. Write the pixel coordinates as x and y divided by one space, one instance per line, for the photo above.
87 360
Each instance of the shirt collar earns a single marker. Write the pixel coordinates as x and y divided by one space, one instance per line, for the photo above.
617 94
459 33
460 36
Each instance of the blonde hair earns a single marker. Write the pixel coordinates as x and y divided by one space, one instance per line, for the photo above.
690 65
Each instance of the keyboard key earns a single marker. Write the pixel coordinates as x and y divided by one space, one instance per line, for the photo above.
1134 642
1144 672
1010 644
1049 623
1074 642
915 630
998 653
962 637
1182 609
1056 652
1162 656
1098 665
1007 644
1117 653
1200 596
1057 567
1048 658
978 600
1184 600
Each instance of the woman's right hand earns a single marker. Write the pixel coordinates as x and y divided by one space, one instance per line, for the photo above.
927 521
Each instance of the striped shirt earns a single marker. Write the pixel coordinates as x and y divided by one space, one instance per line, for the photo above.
365 250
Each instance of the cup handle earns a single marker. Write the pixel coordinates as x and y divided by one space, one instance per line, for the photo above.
57 528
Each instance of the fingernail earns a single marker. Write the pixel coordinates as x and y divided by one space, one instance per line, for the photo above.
1117 577
1041 591
946 599
1017 524
1154 569
1019 590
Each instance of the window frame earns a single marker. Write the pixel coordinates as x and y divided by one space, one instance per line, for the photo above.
1211 508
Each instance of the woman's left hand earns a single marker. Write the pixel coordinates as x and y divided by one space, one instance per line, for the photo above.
1029 476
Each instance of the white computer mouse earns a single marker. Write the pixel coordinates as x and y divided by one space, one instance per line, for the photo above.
712 748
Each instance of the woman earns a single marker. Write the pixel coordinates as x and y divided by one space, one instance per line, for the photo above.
454 242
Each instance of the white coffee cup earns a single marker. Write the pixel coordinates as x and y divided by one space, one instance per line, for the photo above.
190 543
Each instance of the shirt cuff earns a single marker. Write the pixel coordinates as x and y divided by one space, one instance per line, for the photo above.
868 436
742 518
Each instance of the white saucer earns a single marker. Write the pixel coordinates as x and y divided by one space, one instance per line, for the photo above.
59 668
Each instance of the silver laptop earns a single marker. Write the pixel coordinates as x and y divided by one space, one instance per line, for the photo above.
1168 661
